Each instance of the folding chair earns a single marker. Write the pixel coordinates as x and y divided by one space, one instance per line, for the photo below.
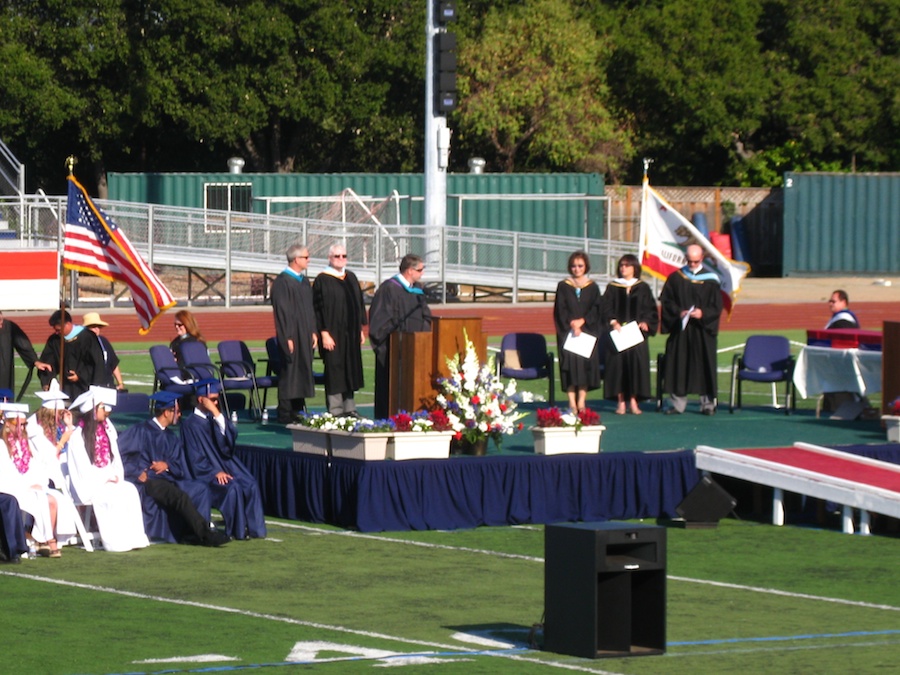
766 358
167 374
524 356
237 367
197 362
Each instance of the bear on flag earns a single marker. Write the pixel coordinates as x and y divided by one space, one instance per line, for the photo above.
665 234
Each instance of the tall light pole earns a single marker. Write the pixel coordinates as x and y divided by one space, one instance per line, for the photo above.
440 98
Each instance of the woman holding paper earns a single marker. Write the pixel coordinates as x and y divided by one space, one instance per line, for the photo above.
628 308
576 314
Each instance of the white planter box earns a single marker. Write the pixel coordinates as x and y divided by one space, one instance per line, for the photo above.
310 441
420 445
564 440
892 424
368 446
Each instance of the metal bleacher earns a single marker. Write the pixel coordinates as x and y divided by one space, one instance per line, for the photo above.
227 243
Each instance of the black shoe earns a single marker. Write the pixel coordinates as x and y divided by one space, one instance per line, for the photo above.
216 539
15 560
671 411
708 411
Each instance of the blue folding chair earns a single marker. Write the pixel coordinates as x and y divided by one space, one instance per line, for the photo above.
166 371
237 366
766 358
196 360
524 356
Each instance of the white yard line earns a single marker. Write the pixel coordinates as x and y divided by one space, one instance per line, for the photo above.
463 549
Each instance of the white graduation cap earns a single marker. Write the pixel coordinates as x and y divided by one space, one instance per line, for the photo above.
53 398
14 410
93 397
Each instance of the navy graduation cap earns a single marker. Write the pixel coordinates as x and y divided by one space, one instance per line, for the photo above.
163 400
207 386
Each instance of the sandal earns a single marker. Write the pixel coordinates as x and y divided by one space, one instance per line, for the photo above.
53 550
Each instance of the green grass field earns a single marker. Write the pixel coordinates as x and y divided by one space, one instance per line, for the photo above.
743 598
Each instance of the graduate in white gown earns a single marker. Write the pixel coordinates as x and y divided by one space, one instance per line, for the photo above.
25 473
98 477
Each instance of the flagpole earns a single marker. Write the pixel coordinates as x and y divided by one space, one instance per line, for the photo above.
71 161
642 233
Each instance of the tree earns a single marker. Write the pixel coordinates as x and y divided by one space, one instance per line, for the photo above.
837 67
692 75
531 87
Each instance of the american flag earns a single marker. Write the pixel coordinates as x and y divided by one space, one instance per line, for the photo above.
95 245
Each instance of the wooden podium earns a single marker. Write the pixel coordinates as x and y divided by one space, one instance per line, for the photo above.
890 364
417 360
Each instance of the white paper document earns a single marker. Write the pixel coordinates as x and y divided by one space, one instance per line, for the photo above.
583 344
627 337
687 317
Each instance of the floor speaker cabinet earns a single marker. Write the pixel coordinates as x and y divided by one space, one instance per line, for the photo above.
605 589
706 504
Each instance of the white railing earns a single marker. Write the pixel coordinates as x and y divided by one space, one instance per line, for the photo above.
231 243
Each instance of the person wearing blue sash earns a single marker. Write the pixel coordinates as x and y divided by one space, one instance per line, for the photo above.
841 316
295 331
691 302
399 305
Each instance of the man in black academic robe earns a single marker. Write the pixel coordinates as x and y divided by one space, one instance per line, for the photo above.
176 508
209 439
340 316
82 357
13 339
399 305
295 330
691 302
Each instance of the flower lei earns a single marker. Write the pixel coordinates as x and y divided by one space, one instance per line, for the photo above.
102 450
21 454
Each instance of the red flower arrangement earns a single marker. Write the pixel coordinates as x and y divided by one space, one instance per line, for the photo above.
554 417
894 406
435 420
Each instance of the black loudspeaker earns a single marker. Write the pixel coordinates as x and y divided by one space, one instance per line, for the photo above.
706 503
604 589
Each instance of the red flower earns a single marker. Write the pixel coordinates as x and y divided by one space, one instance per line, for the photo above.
476 400
502 407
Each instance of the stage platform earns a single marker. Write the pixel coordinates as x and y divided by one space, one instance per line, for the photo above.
646 468
466 492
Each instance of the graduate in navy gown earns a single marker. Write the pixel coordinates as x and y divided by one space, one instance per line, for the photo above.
209 440
12 531
176 508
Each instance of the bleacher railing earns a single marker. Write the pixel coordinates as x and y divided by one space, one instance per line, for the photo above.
233 243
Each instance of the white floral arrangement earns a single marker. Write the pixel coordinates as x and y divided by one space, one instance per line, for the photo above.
476 402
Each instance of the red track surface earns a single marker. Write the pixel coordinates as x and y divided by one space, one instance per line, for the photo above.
845 469
498 319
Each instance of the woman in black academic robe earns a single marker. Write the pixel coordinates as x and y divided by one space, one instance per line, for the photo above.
577 310
627 375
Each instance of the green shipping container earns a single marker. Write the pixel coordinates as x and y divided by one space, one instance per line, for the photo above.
573 218
841 223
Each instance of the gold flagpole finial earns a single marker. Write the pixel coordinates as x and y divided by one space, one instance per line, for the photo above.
70 164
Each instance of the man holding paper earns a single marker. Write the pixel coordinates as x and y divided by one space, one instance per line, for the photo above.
576 313
632 316
691 305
